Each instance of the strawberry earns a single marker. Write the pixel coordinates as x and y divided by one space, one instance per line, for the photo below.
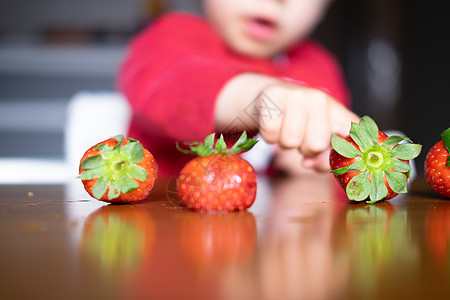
218 179
118 170
369 165
437 166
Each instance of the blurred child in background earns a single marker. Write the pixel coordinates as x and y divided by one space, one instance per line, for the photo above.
245 65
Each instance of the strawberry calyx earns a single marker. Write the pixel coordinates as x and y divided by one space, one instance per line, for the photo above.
375 162
210 146
115 168
446 140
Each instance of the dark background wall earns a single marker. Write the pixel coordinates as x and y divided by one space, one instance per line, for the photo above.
394 54
395 57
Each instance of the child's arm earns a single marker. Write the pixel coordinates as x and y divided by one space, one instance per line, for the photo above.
306 120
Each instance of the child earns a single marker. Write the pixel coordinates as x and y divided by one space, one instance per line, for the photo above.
246 65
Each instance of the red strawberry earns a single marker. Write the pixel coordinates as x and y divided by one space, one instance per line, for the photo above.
218 179
437 166
118 170
370 165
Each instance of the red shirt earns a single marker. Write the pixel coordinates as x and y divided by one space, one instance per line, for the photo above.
175 69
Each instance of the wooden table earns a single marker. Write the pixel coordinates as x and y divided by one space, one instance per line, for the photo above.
300 240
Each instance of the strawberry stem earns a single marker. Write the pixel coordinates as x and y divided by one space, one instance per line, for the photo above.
374 159
208 147
118 166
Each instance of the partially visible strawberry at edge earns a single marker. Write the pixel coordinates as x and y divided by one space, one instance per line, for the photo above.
437 166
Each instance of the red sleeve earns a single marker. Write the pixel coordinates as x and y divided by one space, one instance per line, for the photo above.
172 75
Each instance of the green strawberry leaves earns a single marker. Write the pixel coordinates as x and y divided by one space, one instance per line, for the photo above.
400 166
243 144
115 168
208 146
137 172
92 162
446 140
344 147
378 190
365 134
397 181
379 165
221 146
359 187
406 151
394 140
100 186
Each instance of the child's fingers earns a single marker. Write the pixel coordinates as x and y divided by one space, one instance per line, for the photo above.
269 128
318 128
320 162
341 118
294 121
327 117
270 120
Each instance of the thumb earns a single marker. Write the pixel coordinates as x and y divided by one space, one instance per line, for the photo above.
319 162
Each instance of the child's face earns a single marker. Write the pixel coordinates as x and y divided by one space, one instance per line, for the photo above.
263 28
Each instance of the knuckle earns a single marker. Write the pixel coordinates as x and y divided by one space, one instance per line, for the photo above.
269 128
269 135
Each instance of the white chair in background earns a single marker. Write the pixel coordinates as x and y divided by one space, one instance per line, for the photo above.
93 116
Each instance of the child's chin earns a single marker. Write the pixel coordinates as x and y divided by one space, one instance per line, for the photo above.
255 50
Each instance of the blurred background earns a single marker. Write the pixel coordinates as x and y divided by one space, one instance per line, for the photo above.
393 53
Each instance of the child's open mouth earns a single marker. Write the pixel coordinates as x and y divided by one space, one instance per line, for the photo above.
261 28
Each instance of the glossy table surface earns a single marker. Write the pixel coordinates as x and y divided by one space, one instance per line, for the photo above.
300 240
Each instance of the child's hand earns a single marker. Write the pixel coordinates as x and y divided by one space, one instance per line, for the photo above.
288 115
306 120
